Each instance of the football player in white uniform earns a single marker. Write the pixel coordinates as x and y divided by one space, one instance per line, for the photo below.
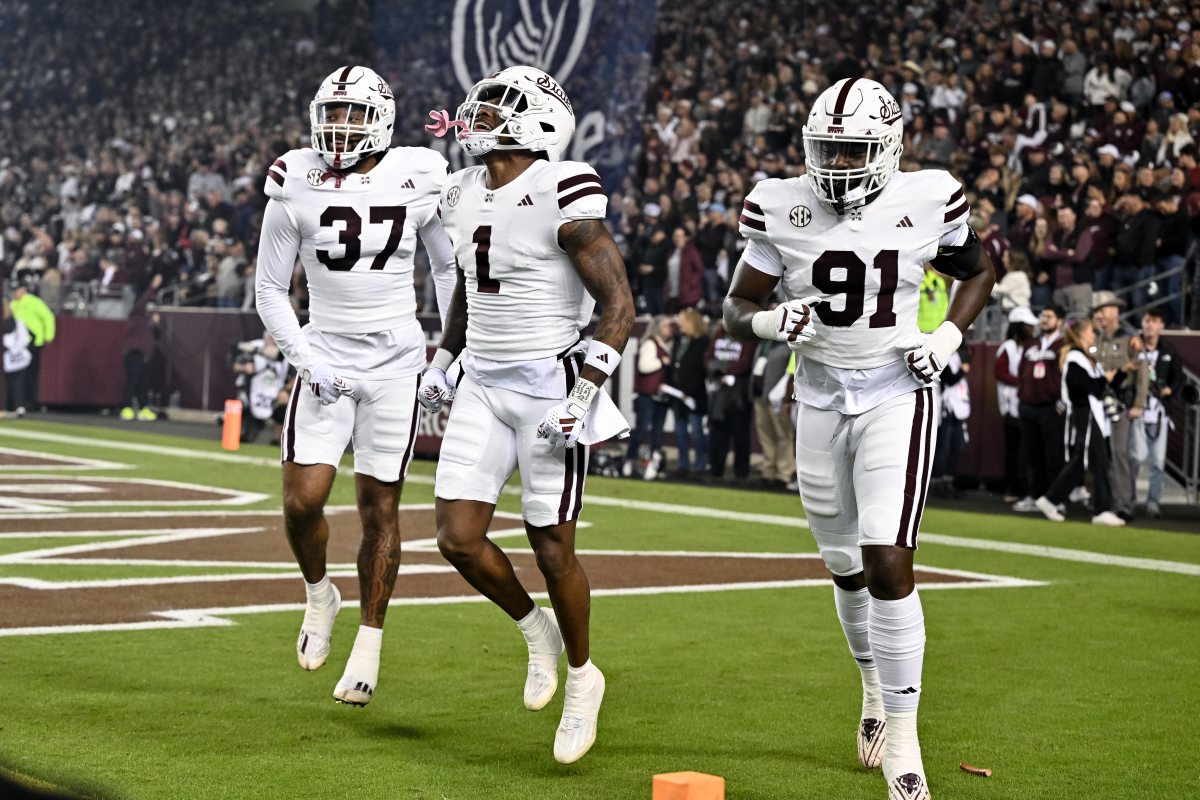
533 252
848 242
351 209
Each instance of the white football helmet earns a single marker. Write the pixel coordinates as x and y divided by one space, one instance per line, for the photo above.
351 116
852 142
536 114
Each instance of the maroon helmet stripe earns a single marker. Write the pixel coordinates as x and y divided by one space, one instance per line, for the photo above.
839 107
955 213
412 429
279 163
289 436
758 225
753 208
910 471
275 176
564 505
586 177
954 198
345 76
919 511
563 202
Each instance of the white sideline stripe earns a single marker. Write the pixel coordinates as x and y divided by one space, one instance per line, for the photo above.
168 514
40 556
64 463
1016 548
1064 554
45 483
123 583
50 488
215 617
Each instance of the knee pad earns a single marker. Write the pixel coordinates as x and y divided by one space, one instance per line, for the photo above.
839 550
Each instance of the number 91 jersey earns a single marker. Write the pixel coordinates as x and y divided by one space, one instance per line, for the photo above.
866 266
525 300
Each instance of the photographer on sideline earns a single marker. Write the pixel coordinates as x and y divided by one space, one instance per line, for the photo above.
1113 351
261 374
1165 378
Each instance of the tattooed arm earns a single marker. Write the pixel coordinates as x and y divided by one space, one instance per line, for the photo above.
596 258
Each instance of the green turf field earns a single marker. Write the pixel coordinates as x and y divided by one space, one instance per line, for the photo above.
1081 681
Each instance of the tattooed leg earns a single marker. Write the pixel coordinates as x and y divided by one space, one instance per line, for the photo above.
379 552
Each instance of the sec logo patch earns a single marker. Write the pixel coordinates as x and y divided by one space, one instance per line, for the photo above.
452 196
316 177
800 216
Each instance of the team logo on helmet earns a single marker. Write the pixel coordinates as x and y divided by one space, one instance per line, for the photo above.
488 35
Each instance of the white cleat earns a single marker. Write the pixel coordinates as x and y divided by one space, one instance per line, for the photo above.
354 691
1108 519
1049 510
871 736
577 731
316 632
541 681
908 786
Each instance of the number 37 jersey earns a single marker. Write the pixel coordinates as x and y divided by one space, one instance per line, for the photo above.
866 267
525 300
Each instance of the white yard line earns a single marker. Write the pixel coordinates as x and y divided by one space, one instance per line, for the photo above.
1016 548
63 463
124 583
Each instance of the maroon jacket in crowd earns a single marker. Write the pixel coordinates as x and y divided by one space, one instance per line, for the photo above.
141 332
1039 381
691 277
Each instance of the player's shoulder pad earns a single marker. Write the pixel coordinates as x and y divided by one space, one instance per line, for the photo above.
422 159
576 185
943 192
288 168
767 194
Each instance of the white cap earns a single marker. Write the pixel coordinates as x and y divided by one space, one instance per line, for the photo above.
1022 314
1029 200
651 210
1127 107
1109 150
910 88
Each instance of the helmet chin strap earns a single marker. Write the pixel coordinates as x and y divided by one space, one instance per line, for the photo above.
851 199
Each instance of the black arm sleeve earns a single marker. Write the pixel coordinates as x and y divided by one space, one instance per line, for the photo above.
959 262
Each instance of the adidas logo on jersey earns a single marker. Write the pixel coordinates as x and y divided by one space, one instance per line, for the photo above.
904 223
408 184
526 201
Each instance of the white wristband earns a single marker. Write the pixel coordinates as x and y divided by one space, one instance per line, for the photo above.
765 324
602 357
442 360
944 341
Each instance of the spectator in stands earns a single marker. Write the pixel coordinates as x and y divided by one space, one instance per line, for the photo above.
686 381
685 273
39 320
1084 384
1038 389
1174 238
17 357
1041 267
730 413
1069 252
650 405
1115 352
1021 324
1164 373
1134 246
653 249
141 340
773 414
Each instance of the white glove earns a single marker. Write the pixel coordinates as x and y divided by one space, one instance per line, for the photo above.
564 422
435 390
926 355
327 387
789 322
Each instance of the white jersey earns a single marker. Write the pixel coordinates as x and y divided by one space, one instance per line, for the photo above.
525 300
355 235
267 381
866 267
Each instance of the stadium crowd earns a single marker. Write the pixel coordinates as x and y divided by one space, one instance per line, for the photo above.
1073 127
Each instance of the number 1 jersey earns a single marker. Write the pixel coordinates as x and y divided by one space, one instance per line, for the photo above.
866 267
525 301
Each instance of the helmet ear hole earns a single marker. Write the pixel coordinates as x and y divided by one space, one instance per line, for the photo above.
547 127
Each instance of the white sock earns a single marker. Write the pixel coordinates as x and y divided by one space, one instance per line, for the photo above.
319 593
577 675
897 635
902 749
364 658
852 610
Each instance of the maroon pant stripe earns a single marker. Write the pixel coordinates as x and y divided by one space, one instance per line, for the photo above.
289 435
412 430
910 472
564 505
839 107
919 511
581 451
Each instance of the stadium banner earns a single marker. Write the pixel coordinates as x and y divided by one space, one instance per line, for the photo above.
432 53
